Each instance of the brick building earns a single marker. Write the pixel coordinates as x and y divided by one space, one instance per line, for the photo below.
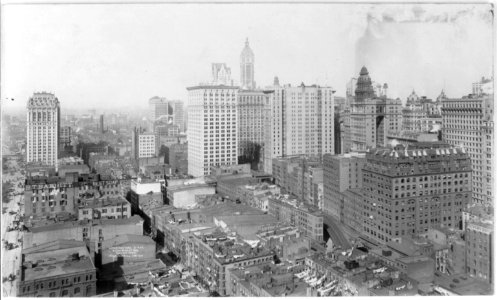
408 191
60 268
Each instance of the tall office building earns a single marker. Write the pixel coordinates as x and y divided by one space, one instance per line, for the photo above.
212 128
158 108
468 122
43 124
372 117
247 68
251 123
178 115
409 190
298 121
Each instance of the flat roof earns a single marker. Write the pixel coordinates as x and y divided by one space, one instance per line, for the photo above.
463 285
212 87
59 226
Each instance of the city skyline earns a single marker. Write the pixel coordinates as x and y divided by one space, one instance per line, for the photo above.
88 59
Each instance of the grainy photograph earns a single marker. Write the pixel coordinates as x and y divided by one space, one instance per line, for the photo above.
237 149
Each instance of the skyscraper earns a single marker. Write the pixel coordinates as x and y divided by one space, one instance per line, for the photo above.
212 128
371 116
468 122
247 67
178 115
251 105
299 121
43 123
158 108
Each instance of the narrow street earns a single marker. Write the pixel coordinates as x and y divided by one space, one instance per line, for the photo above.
11 258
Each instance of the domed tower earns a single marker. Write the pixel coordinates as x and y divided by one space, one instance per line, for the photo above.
364 88
247 67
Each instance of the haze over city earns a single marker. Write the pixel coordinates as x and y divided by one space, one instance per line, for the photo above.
122 55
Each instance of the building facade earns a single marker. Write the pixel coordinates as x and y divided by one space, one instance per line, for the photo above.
43 126
247 61
341 173
408 191
371 116
212 128
299 121
49 196
468 122
479 251
251 105
62 268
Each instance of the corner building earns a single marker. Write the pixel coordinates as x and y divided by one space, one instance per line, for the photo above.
468 122
408 191
212 128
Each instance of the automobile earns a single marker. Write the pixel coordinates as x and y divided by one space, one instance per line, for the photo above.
12 212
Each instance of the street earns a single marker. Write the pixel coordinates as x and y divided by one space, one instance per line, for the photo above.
11 258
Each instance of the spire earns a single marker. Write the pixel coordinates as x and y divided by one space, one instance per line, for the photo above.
246 42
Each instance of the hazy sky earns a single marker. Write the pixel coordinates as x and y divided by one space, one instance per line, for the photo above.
121 55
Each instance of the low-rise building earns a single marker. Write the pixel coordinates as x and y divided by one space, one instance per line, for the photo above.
93 232
479 244
265 280
305 217
183 196
127 248
58 268
104 208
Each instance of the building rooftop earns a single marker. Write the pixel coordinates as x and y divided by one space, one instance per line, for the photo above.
212 87
291 201
103 202
127 238
102 222
229 248
56 258
462 285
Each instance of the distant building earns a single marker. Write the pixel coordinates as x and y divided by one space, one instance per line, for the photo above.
371 116
408 191
159 108
65 137
178 115
221 74
299 121
43 127
101 124
144 144
247 61
468 122
212 129
59 268
484 86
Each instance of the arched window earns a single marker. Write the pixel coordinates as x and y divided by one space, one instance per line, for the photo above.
77 291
